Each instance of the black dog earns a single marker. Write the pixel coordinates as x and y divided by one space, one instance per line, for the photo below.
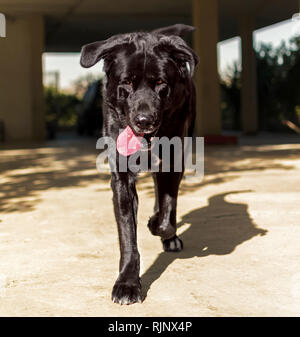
148 88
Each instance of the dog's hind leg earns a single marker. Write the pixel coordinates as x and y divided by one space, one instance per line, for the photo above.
156 207
163 222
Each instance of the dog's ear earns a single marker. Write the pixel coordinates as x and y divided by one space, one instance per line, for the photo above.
179 52
179 30
93 52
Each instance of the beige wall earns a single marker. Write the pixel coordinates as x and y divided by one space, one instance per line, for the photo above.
205 19
21 91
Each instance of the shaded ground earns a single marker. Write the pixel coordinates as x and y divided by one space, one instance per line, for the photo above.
240 227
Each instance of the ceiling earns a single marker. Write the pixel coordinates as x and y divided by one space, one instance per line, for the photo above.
72 23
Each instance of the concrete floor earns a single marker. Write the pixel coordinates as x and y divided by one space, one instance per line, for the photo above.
240 226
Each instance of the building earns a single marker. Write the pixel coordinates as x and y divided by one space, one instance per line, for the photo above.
36 26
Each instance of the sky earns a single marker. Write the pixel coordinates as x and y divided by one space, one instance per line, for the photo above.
67 64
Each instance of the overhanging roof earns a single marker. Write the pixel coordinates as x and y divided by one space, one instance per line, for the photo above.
72 23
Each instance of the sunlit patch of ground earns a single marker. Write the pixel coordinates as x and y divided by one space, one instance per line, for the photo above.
240 226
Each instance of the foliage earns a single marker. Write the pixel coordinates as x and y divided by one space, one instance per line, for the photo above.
230 93
83 82
60 107
76 109
278 74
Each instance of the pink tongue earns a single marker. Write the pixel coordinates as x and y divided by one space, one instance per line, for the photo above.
127 142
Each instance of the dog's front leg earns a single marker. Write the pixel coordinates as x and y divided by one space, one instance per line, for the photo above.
127 288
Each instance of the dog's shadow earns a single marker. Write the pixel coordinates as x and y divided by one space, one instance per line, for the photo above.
216 229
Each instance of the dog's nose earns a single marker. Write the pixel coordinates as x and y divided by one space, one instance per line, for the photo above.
144 121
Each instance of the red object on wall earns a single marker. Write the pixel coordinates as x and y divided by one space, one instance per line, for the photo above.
220 140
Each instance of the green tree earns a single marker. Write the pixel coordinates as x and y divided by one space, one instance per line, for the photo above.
61 110
278 74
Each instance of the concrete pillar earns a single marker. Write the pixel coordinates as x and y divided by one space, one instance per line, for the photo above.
205 39
249 81
21 88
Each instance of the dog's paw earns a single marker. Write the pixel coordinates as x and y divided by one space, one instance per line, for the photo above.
172 245
126 293
153 223
164 230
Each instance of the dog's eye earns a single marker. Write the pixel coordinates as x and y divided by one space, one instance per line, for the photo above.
159 82
127 82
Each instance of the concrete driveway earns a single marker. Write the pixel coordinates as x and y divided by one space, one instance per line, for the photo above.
240 226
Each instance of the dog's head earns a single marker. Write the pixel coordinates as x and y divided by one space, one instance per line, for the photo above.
146 74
